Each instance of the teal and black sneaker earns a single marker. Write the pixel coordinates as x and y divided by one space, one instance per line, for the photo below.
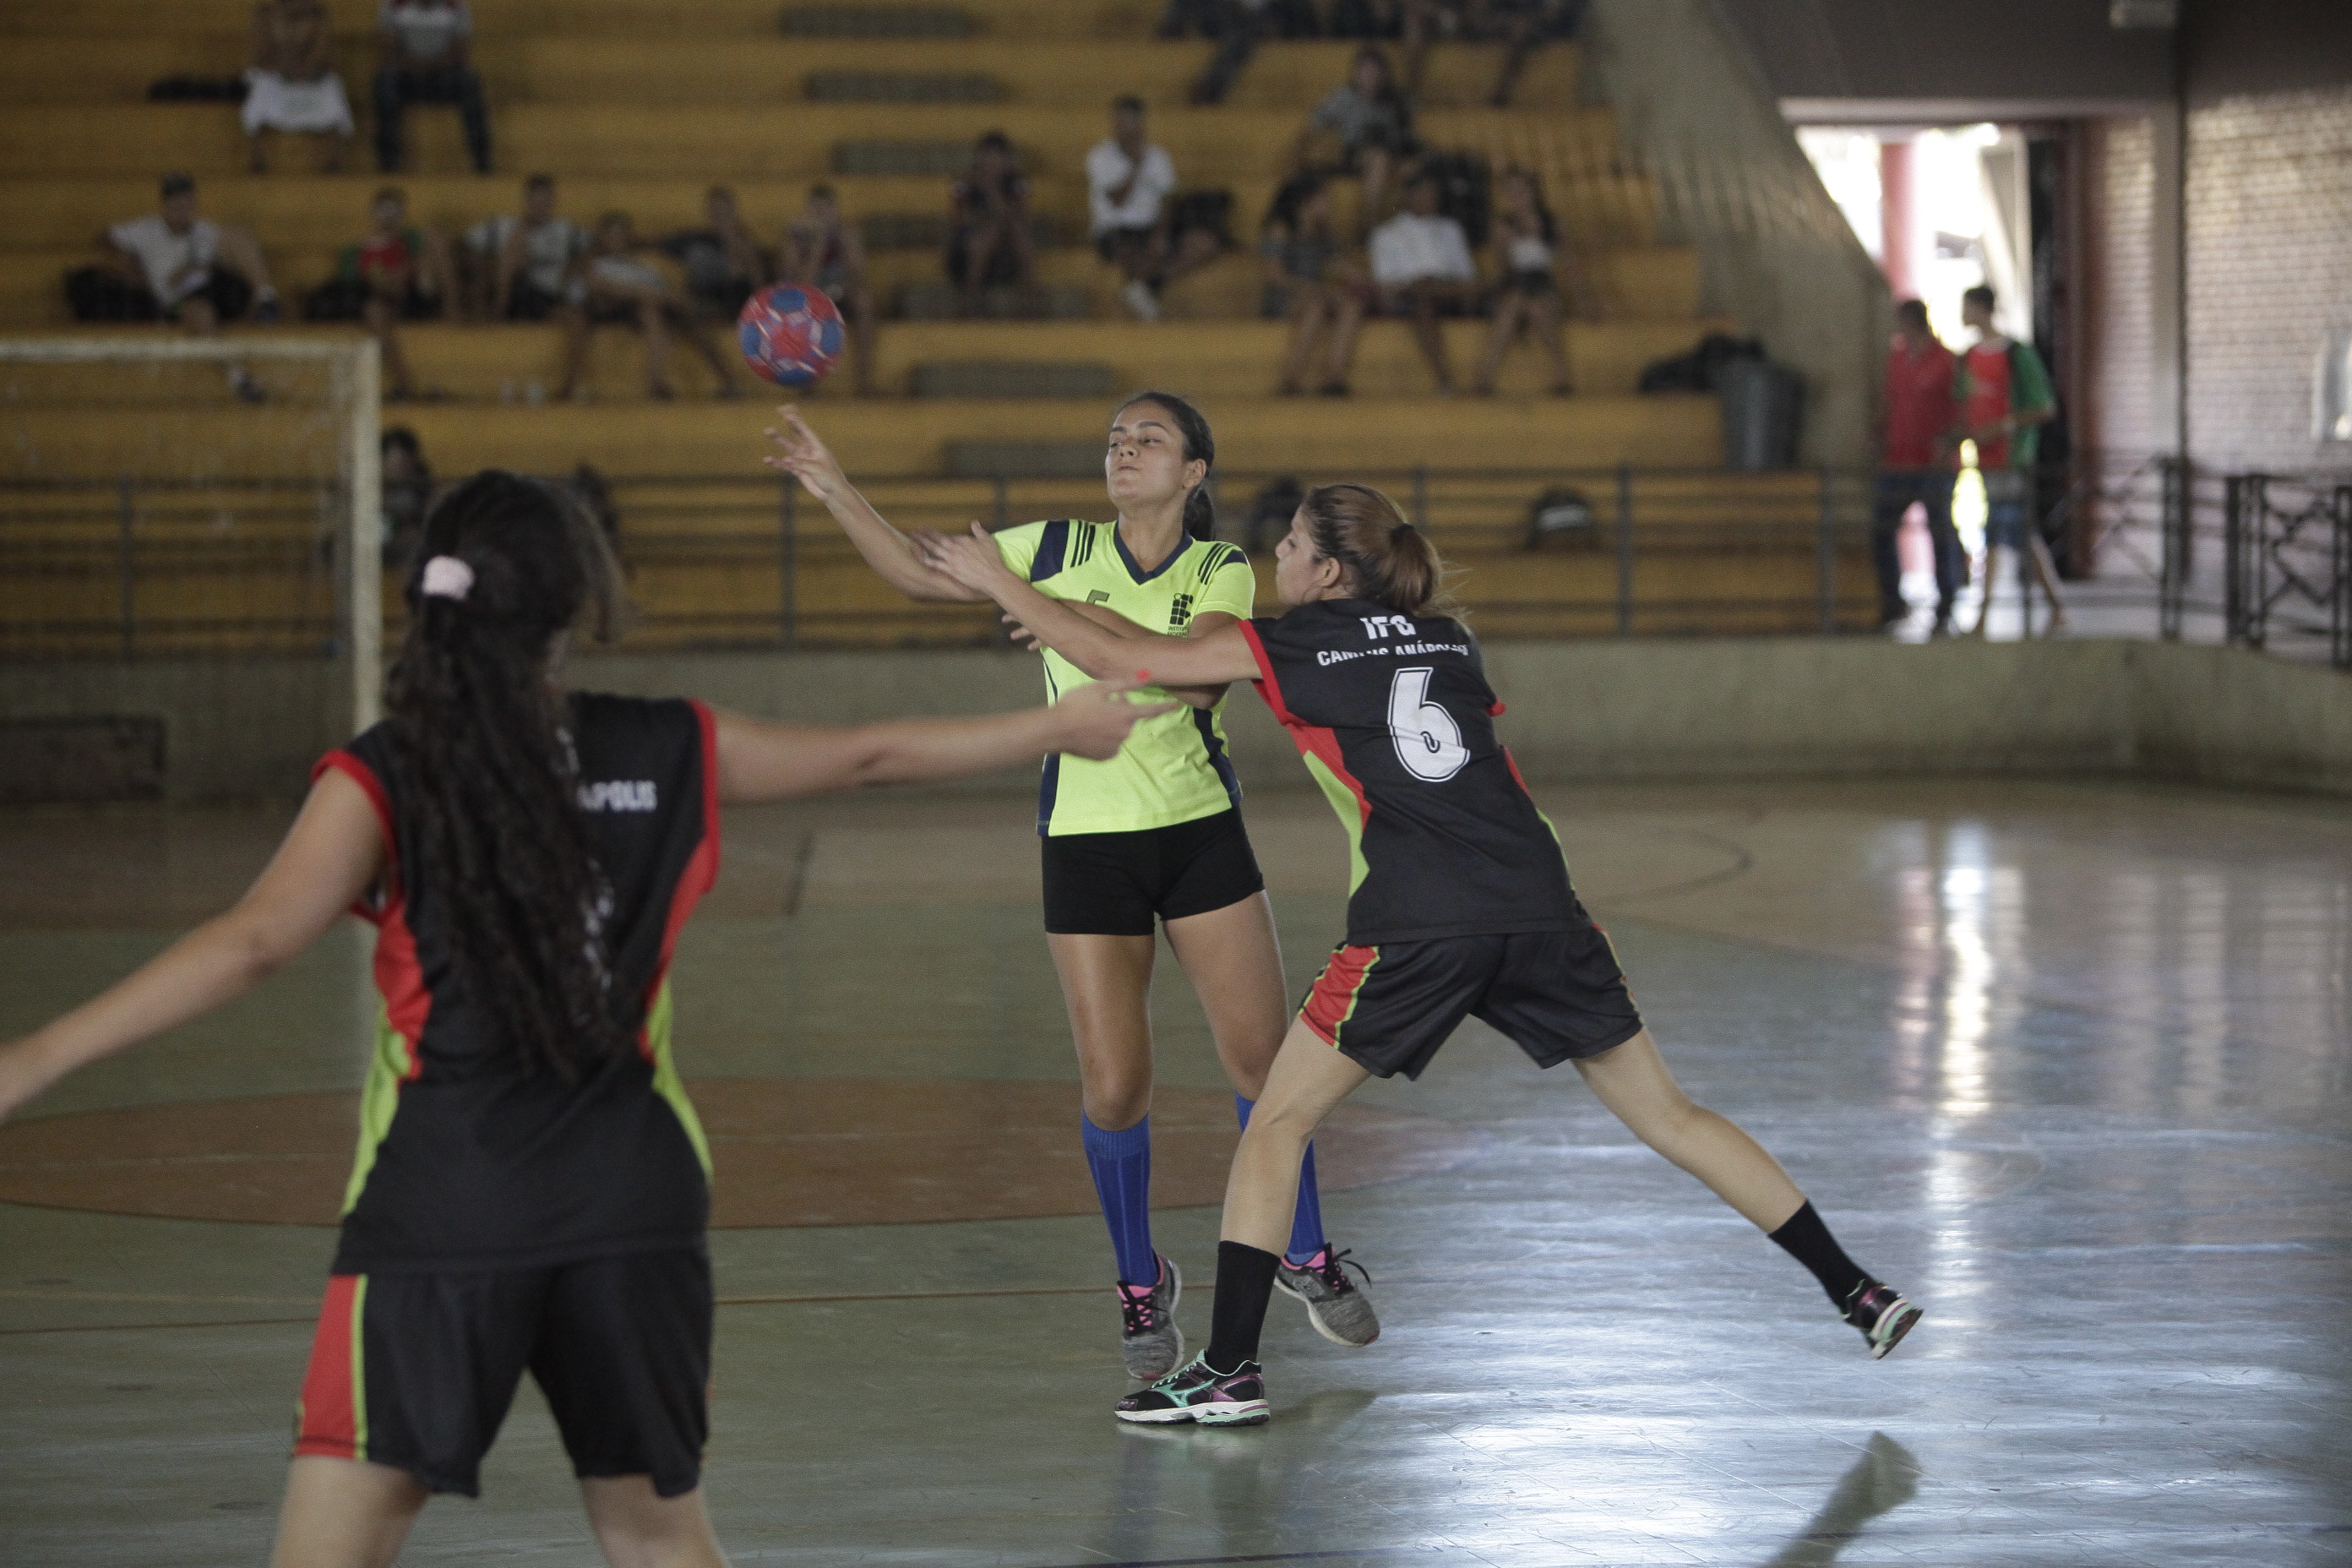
1883 1316
1193 1393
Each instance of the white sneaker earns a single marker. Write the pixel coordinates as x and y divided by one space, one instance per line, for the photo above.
1139 299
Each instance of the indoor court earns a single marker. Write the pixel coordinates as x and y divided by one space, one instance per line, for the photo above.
2069 1056
1869 484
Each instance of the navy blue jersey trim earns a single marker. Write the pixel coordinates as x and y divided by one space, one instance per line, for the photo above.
1138 573
1215 561
1052 546
1048 785
1204 722
1083 545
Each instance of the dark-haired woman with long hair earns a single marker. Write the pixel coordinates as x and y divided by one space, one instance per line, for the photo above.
1460 905
531 1187
1153 838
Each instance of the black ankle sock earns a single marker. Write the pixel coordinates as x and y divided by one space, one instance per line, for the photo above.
1809 1241
1244 1285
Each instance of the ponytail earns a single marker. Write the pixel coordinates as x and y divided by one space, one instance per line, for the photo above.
1200 446
478 729
1387 559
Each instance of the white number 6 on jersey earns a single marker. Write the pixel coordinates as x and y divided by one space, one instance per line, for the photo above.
1428 741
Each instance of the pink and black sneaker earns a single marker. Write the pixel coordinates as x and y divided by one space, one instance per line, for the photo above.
1193 1393
1149 1339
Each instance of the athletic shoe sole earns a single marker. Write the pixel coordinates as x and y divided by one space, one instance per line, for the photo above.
1243 1412
1315 1317
1906 1317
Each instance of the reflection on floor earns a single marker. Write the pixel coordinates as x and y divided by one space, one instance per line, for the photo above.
2070 1062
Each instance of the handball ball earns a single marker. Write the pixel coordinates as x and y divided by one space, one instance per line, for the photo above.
790 334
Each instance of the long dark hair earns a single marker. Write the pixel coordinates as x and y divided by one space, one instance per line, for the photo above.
1200 446
1387 560
478 727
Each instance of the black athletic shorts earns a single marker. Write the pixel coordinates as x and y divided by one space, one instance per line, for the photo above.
1115 884
416 1370
1558 993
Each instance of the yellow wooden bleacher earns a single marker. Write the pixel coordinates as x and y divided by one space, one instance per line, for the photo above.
638 105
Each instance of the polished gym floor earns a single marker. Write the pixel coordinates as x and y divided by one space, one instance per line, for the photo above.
2069 1062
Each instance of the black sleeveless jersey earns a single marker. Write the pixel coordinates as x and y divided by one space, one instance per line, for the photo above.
1393 717
469 1161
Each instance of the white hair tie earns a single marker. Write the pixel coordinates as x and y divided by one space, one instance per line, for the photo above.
447 577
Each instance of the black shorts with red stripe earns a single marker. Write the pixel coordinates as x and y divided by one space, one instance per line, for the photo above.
1558 995
416 1370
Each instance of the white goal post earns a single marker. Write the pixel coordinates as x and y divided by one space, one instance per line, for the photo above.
352 371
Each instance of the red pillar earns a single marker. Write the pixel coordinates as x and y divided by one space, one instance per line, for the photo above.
1902 247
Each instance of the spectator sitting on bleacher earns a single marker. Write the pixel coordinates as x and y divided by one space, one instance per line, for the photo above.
1521 26
1421 260
988 225
1373 122
398 273
823 250
1310 280
523 266
1236 25
180 267
1526 298
424 61
292 85
722 261
622 288
1129 181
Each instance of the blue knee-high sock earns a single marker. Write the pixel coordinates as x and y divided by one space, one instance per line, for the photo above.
1307 1219
1121 1163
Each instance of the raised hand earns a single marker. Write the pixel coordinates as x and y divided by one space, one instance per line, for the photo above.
1096 717
800 454
971 560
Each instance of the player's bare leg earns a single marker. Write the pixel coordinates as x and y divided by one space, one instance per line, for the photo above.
639 1529
344 1513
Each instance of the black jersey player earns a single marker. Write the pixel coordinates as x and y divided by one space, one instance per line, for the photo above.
531 1187
1460 906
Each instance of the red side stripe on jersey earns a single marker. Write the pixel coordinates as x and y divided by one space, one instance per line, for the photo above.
359 773
400 981
1310 739
1513 762
700 874
398 977
329 1423
1267 686
1324 743
1333 999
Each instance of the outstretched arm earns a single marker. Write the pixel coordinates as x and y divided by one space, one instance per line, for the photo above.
1210 660
331 856
800 453
763 762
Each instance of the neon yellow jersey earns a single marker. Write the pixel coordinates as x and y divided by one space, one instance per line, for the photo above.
1173 768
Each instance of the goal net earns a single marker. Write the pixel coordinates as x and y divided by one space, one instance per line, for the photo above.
191 541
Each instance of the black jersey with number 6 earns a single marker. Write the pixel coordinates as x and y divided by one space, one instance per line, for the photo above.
1393 717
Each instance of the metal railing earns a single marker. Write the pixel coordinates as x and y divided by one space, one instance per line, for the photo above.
116 567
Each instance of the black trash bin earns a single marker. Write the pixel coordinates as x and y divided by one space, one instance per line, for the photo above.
1763 409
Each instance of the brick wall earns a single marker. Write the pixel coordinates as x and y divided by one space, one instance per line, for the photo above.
2118 416
2269 266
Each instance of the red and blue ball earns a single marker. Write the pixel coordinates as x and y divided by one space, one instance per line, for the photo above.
790 334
